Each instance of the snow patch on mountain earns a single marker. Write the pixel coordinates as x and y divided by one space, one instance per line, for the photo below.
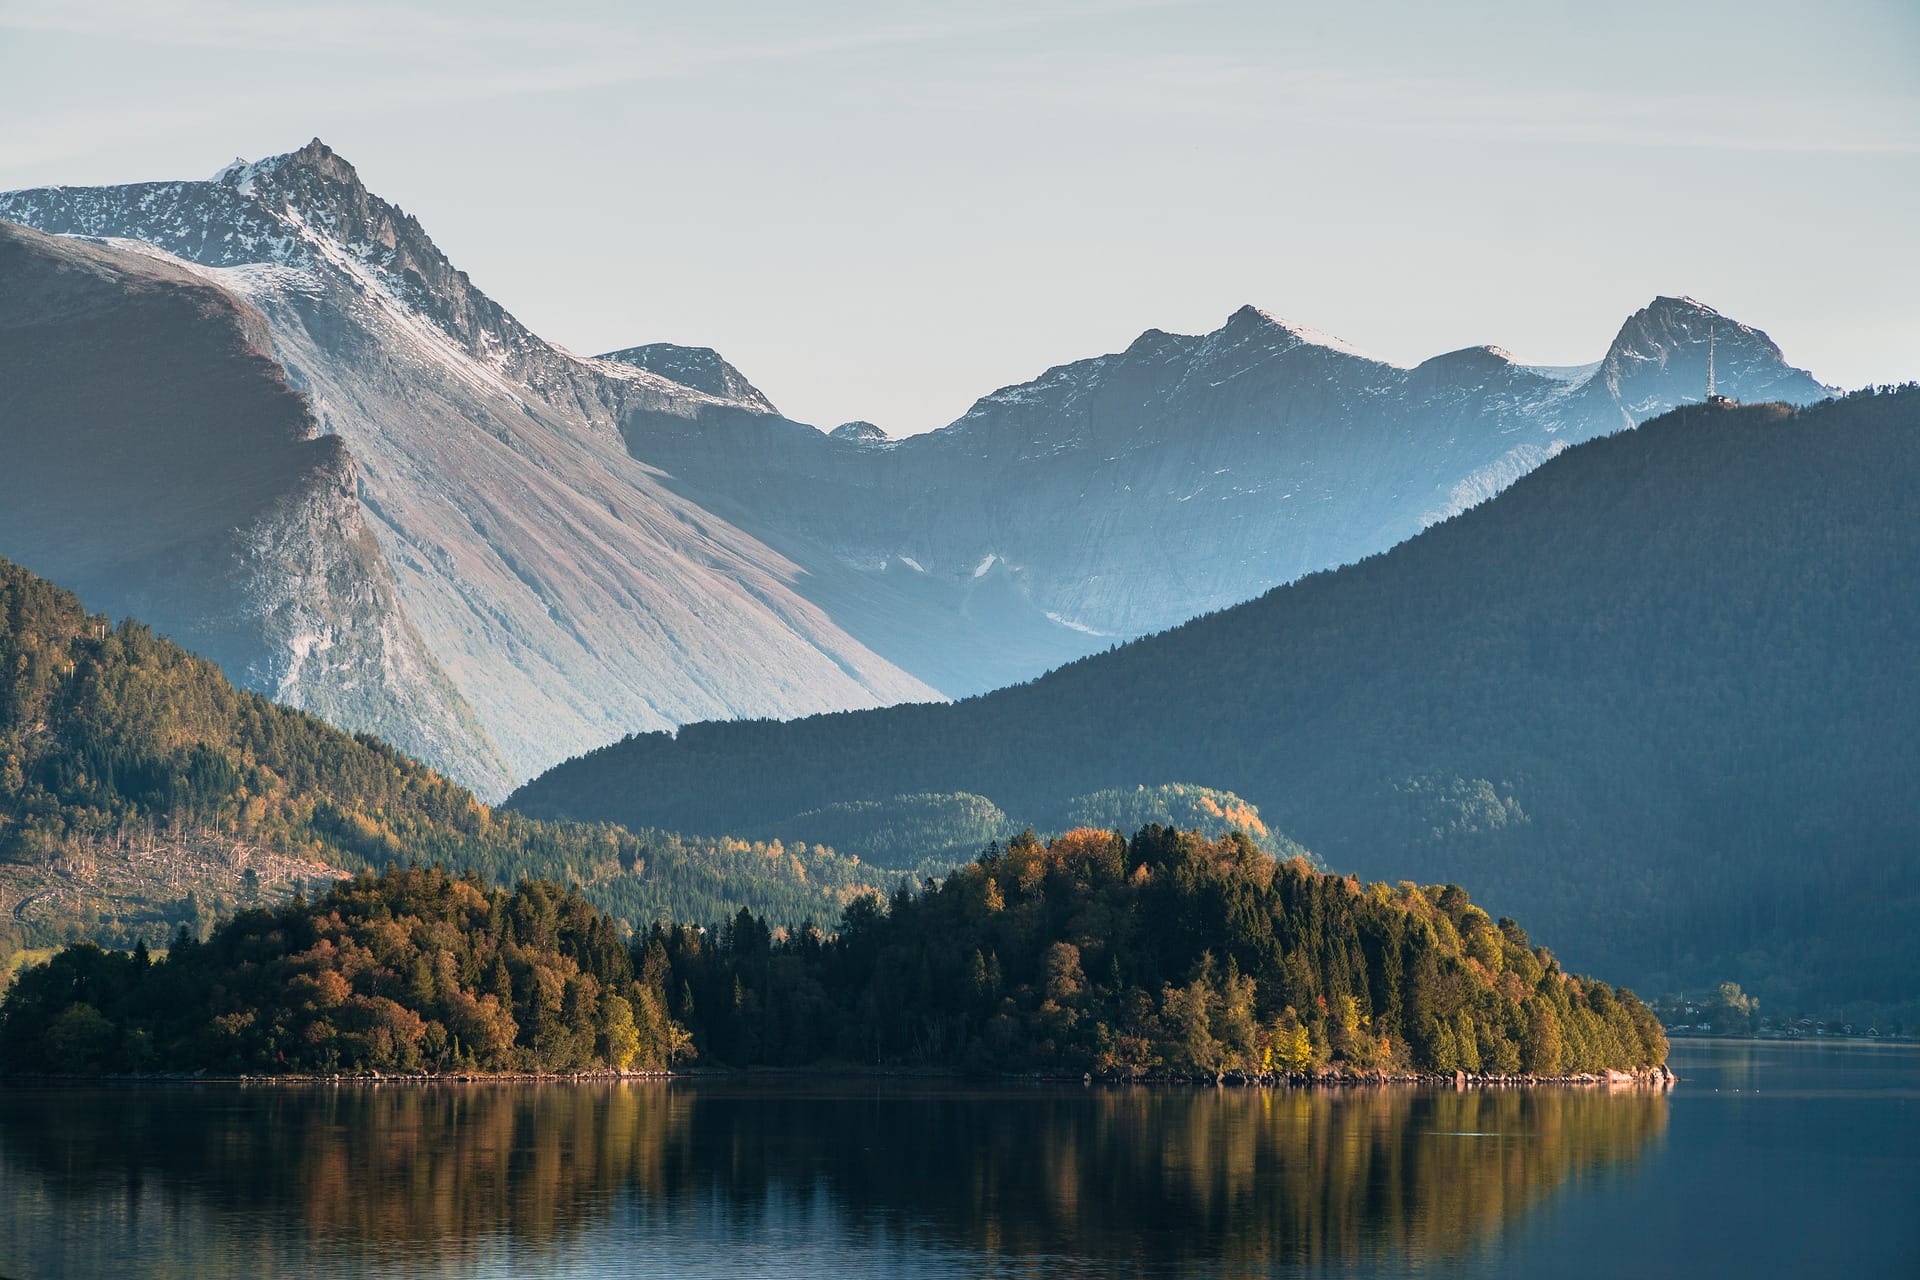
1571 373
1073 625
1250 316
1484 482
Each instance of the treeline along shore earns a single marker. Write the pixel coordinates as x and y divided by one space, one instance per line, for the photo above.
1166 956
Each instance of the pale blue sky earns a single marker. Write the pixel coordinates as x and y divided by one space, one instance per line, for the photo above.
885 210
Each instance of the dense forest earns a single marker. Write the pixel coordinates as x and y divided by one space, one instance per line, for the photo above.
1658 698
413 970
1168 954
140 791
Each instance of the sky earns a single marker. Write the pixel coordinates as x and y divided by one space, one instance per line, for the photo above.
885 210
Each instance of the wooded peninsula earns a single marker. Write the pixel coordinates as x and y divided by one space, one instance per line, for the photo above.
1163 956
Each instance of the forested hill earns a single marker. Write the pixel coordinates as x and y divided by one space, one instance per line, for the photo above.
1658 698
137 786
1166 954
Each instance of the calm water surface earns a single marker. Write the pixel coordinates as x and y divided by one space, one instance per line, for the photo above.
1770 1160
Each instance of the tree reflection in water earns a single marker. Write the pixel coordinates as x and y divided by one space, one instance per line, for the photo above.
462 1179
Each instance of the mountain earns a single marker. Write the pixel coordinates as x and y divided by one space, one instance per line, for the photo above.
1658 695
560 594
1122 495
140 791
1659 361
585 547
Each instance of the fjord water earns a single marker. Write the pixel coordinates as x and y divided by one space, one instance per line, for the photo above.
1769 1159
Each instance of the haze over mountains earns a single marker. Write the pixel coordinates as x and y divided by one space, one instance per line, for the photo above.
1659 696
1125 494
513 554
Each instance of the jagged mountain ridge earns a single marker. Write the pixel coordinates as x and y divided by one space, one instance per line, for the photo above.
595 545
1123 494
567 594
269 211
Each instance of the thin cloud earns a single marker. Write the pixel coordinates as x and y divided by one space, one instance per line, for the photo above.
223 24
236 24
407 59
1425 106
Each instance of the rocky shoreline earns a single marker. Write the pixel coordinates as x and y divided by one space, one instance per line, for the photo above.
1647 1077
1659 1077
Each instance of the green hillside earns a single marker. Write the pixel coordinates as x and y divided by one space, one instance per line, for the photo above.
140 791
929 834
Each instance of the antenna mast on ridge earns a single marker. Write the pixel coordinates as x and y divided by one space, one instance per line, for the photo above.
1710 395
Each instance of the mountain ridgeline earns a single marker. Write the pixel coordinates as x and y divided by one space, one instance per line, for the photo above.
389 502
929 834
1123 494
1657 698
1166 955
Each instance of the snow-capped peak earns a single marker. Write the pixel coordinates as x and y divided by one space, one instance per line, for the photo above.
1250 317
242 174
1480 355
1681 303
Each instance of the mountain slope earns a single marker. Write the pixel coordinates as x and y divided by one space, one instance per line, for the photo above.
226 517
566 593
139 788
1658 696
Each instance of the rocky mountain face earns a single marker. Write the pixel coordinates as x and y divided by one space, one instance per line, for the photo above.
701 368
1121 495
564 592
226 517
588 547
1659 362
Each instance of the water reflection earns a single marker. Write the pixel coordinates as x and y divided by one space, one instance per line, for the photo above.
655 1177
